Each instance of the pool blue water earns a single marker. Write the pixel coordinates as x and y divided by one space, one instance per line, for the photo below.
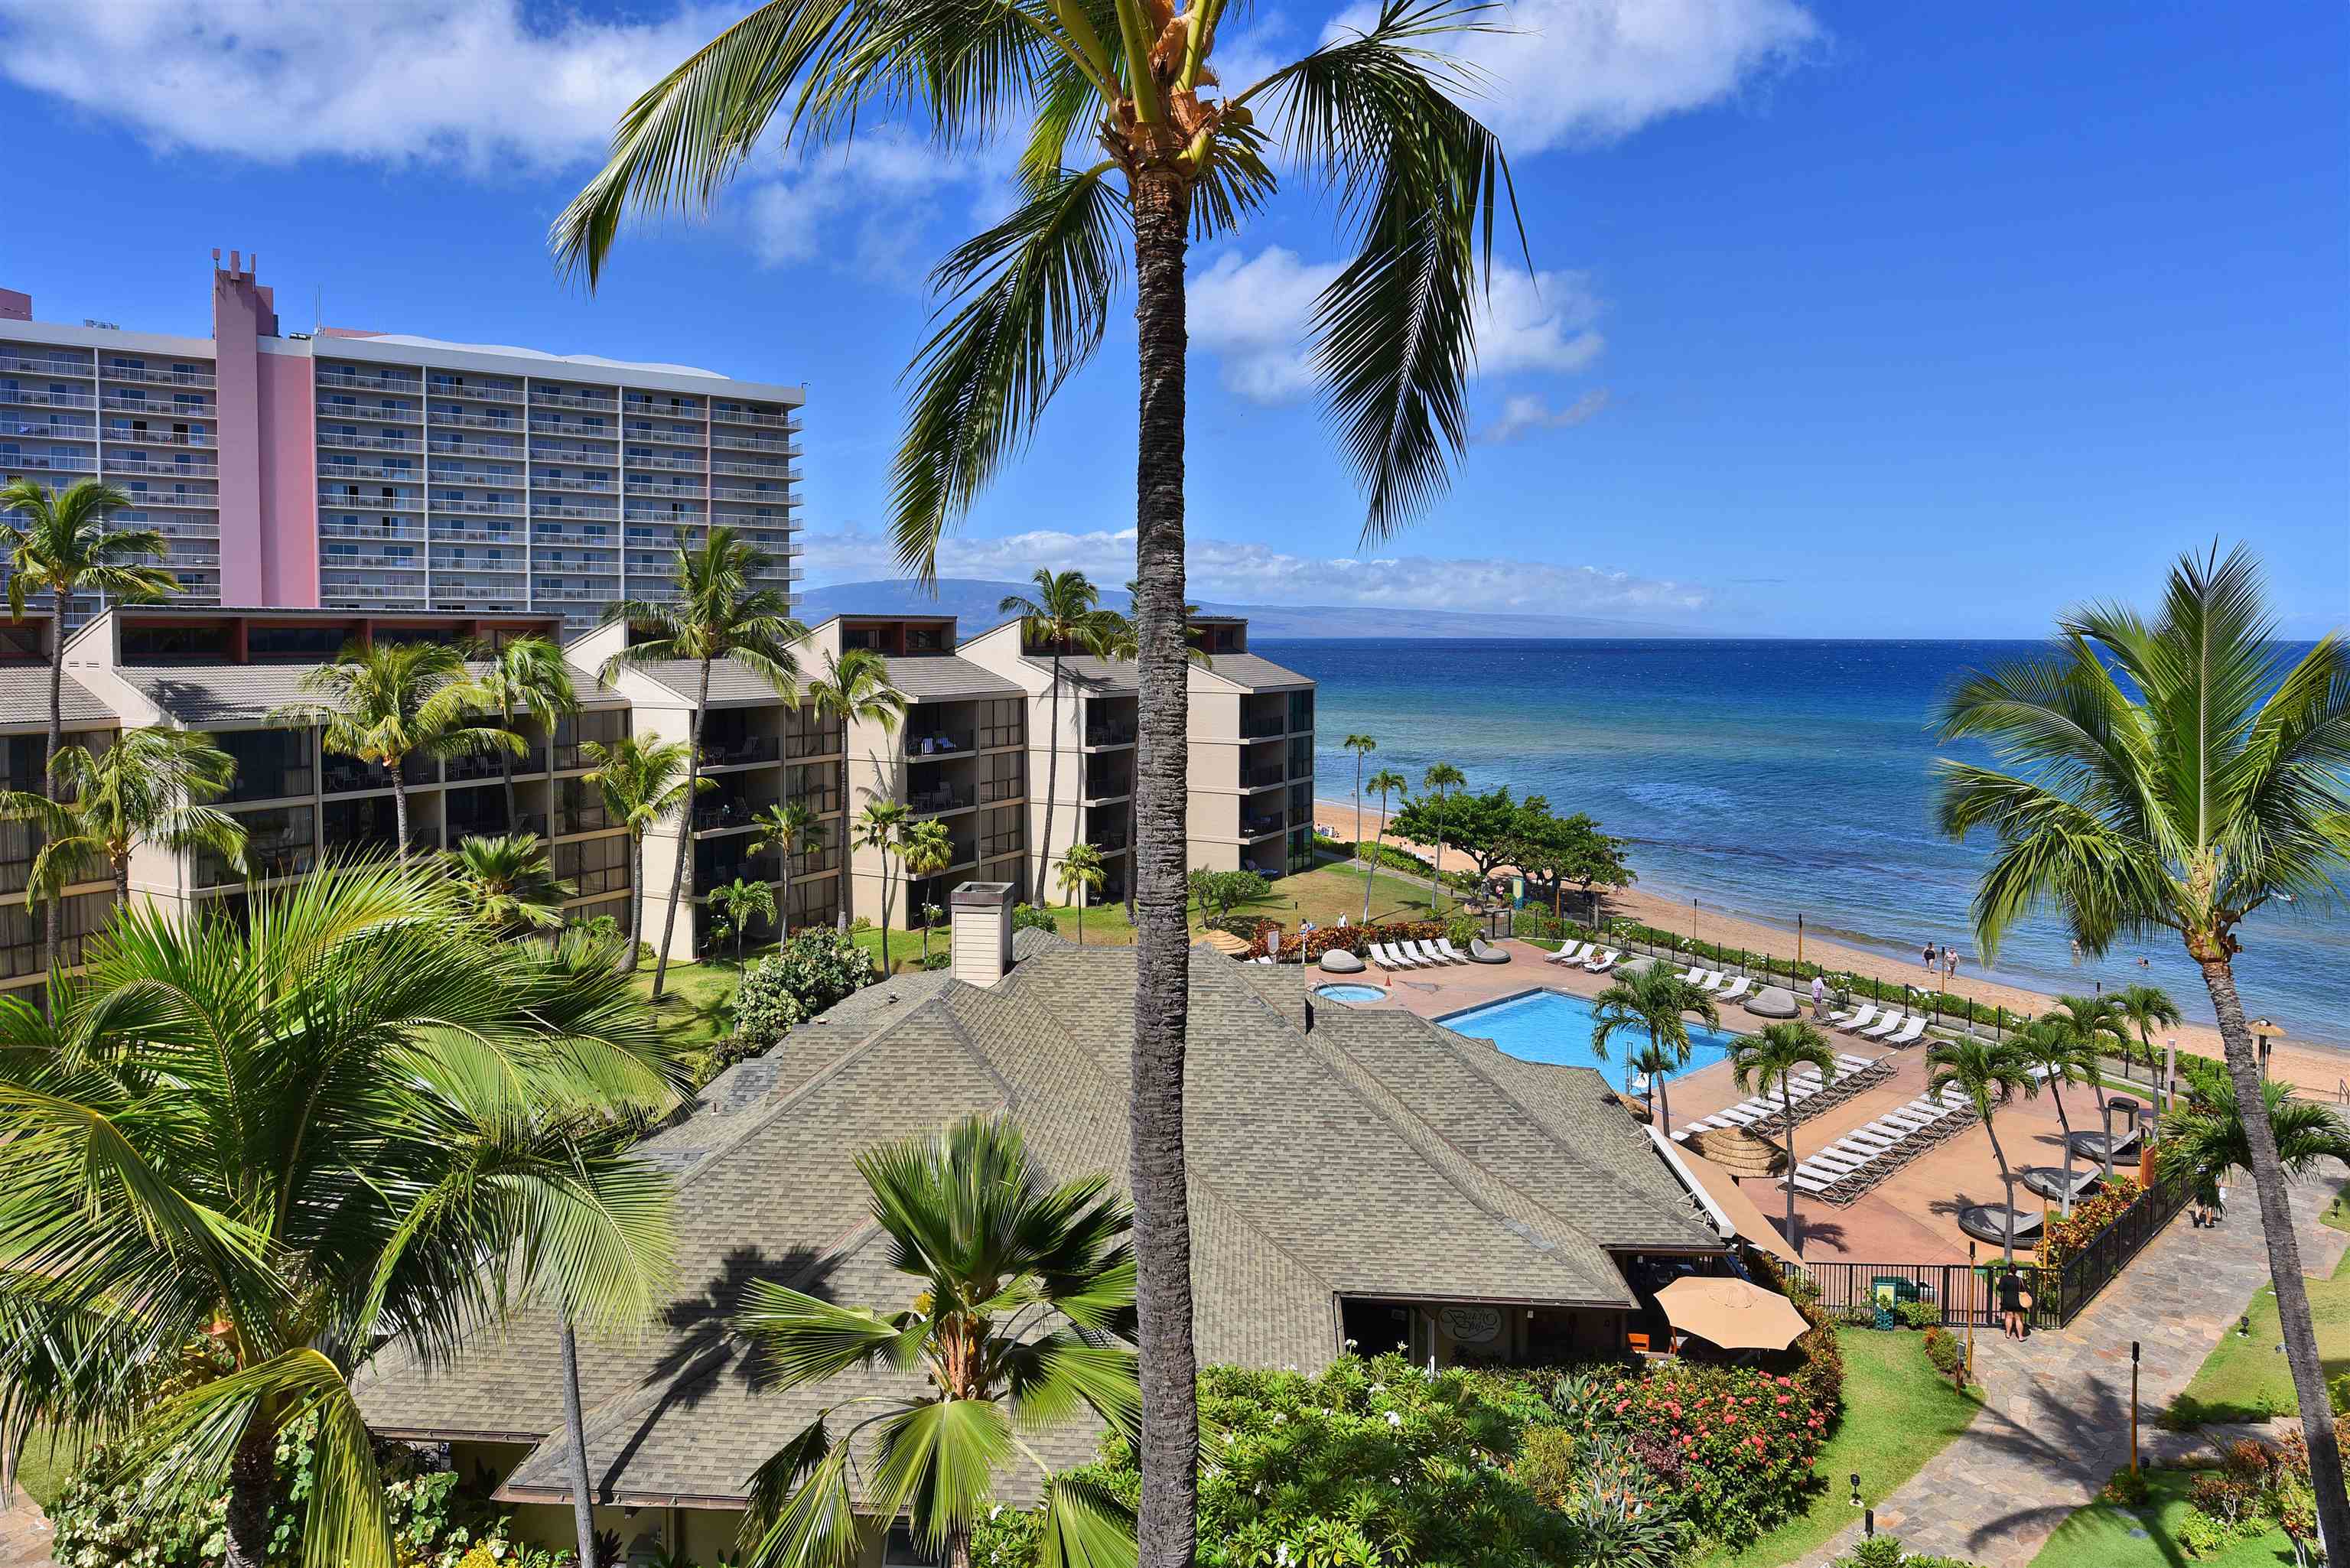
1551 1026
1350 992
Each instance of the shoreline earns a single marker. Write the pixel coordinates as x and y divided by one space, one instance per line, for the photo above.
2317 1070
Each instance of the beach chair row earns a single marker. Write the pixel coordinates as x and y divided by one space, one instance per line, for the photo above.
1394 956
1587 956
1718 984
1888 1027
1809 1093
1844 1170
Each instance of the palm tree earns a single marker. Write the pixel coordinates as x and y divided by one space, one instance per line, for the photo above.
1111 636
2174 774
2147 1008
716 614
1020 1294
925 849
1362 746
525 676
1438 778
58 542
350 1123
152 786
1059 616
732 908
384 702
854 689
1081 876
1776 1055
1655 1001
644 784
2204 1138
2049 1047
1385 783
1989 1074
505 882
2096 1024
1371 118
878 828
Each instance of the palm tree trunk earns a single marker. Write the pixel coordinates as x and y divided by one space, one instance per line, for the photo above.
1787 1111
575 1429
888 898
1379 840
52 908
251 1488
846 874
399 808
1664 1102
1167 1529
2285 1262
1052 774
684 832
2007 1187
636 900
2064 1126
122 882
1436 882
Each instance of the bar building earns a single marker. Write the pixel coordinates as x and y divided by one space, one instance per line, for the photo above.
384 471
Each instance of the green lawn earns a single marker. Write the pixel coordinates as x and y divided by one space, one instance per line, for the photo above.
1899 1412
47 1466
2112 1536
2244 1378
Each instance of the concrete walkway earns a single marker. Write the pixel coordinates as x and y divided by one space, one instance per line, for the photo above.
2055 1420
24 1535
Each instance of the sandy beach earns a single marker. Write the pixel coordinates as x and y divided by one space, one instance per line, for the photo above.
2318 1071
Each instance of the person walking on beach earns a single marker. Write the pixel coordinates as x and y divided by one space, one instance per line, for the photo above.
1819 996
2013 1297
1927 957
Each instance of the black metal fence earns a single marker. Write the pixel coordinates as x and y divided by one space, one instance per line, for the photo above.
1969 1293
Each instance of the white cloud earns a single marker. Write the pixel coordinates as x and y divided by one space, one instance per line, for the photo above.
1577 72
1253 314
853 203
468 82
1249 572
1524 414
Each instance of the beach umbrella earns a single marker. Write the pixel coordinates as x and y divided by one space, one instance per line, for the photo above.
1735 1315
1226 943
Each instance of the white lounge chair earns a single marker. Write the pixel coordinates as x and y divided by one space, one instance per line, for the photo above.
1735 989
1692 975
1573 952
1856 1064
1445 948
1388 955
1605 961
1882 1027
1711 980
1858 1021
1415 950
1912 1027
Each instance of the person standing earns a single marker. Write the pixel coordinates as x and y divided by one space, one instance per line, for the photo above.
1819 995
2013 1297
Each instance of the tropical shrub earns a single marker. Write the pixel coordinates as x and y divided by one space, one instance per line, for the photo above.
1945 1350
815 968
1885 1552
1029 918
2064 1237
1356 940
1918 1314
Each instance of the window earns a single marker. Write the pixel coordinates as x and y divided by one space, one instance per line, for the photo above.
593 866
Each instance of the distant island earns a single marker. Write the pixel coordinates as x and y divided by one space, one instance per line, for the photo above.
973 602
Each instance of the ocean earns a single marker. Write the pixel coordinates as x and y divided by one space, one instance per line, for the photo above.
1771 778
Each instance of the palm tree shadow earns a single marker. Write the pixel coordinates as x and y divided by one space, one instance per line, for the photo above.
705 1343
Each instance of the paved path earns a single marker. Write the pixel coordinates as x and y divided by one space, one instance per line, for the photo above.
24 1535
2055 1421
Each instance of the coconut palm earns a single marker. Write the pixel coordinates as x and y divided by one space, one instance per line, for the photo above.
878 828
59 543
150 786
732 908
854 689
1362 746
717 614
506 883
1370 119
2204 1138
1385 784
524 677
2096 1024
1056 618
1655 1001
925 849
2174 774
1440 778
644 784
384 702
788 829
2053 1050
1081 876
1020 1293
350 1122
2147 1008
1990 1074
1775 1055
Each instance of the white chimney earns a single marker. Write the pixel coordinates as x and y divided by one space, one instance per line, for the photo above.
979 932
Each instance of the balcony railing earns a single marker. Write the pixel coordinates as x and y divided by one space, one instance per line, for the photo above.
347 503
335 376
1252 827
544 536
822 742
1108 785
478 393
462 419
993 790
688 438
720 813
368 562
128 437
201 501
1109 840
639 403
153 377
451 446
61 462
45 367
478 508
654 514
751 417
407 595
138 463
478 594
756 470
396 415
640 486
749 867
1264 725
781 445
786 523
940 801
35 397
674 464
571 819
1263 776
1119 733
762 497
371 534
364 441
940 744
750 749
571 596
547 506
353 470
578 429
560 481
545 398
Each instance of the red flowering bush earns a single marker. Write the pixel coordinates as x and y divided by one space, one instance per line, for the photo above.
2065 1237
1356 940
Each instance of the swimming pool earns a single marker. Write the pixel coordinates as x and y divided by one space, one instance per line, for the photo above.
1553 1026
1351 993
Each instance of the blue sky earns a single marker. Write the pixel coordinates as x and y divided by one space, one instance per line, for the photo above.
1848 320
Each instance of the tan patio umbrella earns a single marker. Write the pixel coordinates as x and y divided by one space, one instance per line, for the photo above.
1228 944
1732 1313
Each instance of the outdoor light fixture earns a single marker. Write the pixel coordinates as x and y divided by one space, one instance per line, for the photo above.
1855 1488
2244 1326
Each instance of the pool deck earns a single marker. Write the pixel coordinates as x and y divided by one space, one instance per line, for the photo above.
1909 1218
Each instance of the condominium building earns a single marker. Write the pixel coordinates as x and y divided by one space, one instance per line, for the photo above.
382 471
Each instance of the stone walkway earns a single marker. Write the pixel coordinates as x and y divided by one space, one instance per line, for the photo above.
2056 1420
24 1535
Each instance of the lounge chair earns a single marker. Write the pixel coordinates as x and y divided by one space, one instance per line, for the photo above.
1388 958
1414 950
1711 980
1882 1027
1604 962
1912 1027
1858 1021
1857 1063
1573 952
1735 989
1480 953
1692 975
1444 946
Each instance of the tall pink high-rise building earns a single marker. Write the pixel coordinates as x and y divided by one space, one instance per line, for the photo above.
379 471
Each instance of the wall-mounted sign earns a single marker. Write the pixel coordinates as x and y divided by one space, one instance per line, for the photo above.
1470 1324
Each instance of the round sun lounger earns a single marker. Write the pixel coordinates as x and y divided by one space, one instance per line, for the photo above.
2048 1180
1988 1223
1480 953
2095 1145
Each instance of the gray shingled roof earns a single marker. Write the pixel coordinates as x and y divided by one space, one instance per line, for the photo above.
24 697
943 676
1376 1155
1249 670
729 683
1088 672
201 694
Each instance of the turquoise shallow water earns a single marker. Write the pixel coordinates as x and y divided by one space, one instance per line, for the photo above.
1556 1027
1771 778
